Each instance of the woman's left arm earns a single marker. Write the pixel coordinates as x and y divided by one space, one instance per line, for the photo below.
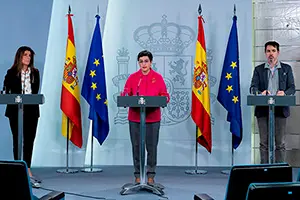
7 82
36 81
163 89
290 89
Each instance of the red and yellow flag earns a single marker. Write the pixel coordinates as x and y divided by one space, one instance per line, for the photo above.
200 92
70 95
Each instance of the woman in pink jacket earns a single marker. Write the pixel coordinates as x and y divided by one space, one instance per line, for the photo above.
145 82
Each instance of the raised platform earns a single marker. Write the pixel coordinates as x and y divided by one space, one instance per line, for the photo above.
108 184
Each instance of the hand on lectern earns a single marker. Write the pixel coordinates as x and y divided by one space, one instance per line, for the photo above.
280 93
266 92
166 95
4 90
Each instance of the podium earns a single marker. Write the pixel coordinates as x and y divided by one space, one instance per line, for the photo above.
271 102
142 102
20 100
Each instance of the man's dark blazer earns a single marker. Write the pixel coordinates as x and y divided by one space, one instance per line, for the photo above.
260 82
13 85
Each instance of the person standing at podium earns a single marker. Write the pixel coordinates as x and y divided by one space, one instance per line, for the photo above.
145 82
23 78
272 78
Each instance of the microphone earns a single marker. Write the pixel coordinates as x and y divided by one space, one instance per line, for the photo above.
138 87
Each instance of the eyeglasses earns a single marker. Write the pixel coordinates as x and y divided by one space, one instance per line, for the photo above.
143 61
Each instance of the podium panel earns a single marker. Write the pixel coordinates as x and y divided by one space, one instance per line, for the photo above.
141 101
263 100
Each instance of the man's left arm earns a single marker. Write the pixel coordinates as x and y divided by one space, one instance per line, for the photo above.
290 89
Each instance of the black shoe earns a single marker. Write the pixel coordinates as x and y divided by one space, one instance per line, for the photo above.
34 184
36 179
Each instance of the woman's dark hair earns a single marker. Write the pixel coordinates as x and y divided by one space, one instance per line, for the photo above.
18 58
145 53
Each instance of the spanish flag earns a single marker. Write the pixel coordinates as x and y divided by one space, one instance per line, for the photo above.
200 91
70 93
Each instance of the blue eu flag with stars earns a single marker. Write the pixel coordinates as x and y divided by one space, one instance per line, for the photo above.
229 90
94 87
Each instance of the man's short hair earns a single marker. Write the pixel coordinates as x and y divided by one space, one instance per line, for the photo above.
272 43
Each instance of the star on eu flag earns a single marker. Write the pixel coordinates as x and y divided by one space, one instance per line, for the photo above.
96 62
98 97
93 73
233 65
228 76
94 86
229 88
235 99
106 102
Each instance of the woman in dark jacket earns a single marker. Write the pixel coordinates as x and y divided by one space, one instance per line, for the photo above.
23 78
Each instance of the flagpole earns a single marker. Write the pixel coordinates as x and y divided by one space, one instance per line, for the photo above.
227 172
196 170
99 107
67 170
91 169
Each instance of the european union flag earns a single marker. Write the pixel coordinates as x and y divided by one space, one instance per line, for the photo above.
229 90
94 87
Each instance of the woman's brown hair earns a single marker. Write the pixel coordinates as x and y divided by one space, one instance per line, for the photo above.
18 58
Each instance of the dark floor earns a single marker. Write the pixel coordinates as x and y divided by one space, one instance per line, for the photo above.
107 184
